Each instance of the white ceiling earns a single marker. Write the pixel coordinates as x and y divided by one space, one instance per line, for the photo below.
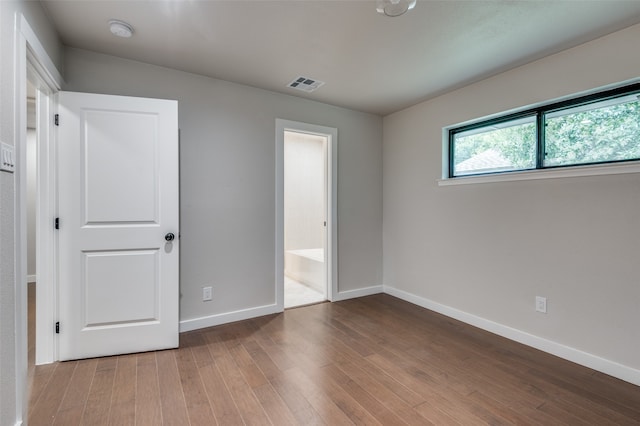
369 62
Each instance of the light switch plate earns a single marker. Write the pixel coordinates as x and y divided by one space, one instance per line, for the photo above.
7 158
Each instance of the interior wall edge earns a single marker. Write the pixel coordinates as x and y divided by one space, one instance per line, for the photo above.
612 368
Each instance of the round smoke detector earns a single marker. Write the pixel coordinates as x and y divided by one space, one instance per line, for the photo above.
120 28
394 8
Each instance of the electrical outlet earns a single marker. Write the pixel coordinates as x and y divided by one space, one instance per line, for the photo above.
541 304
207 294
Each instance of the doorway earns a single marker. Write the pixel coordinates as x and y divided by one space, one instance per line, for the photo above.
48 312
34 65
39 209
306 213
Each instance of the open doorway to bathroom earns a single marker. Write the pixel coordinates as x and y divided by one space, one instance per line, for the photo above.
305 218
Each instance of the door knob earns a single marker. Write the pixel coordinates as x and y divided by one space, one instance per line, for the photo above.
169 237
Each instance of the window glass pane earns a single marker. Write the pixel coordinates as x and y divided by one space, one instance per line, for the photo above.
495 148
595 133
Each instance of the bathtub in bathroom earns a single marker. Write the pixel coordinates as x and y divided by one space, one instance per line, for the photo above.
307 267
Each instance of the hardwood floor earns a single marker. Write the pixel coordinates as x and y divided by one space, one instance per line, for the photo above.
373 360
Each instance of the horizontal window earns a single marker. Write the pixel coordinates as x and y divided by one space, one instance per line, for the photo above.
594 129
498 147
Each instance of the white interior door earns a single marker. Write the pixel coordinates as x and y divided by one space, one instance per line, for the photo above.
118 202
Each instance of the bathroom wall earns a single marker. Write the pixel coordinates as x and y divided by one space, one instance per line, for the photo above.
304 191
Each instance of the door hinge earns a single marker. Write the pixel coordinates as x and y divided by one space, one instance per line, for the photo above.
58 327
56 119
56 223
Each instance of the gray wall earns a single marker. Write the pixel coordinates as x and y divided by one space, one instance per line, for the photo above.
8 134
489 249
227 161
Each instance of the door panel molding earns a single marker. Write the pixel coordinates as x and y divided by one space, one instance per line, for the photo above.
118 196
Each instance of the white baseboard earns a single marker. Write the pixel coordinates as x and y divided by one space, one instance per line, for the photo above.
31 278
597 363
227 317
361 292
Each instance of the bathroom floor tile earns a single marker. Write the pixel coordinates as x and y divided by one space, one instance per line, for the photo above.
298 294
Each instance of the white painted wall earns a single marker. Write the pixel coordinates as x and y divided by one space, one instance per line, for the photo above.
8 133
304 191
489 249
228 180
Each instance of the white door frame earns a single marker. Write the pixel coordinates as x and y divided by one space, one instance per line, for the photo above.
32 58
331 134
46 208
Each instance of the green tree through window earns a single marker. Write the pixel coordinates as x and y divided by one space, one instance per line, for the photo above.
599 135
596 129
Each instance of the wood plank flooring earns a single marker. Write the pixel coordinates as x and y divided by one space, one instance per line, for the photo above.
375 360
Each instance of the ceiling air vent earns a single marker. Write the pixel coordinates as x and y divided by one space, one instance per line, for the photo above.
305 84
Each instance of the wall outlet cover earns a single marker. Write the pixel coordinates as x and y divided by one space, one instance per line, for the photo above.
207 293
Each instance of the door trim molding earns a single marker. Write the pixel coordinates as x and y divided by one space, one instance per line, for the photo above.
331 133
46 237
